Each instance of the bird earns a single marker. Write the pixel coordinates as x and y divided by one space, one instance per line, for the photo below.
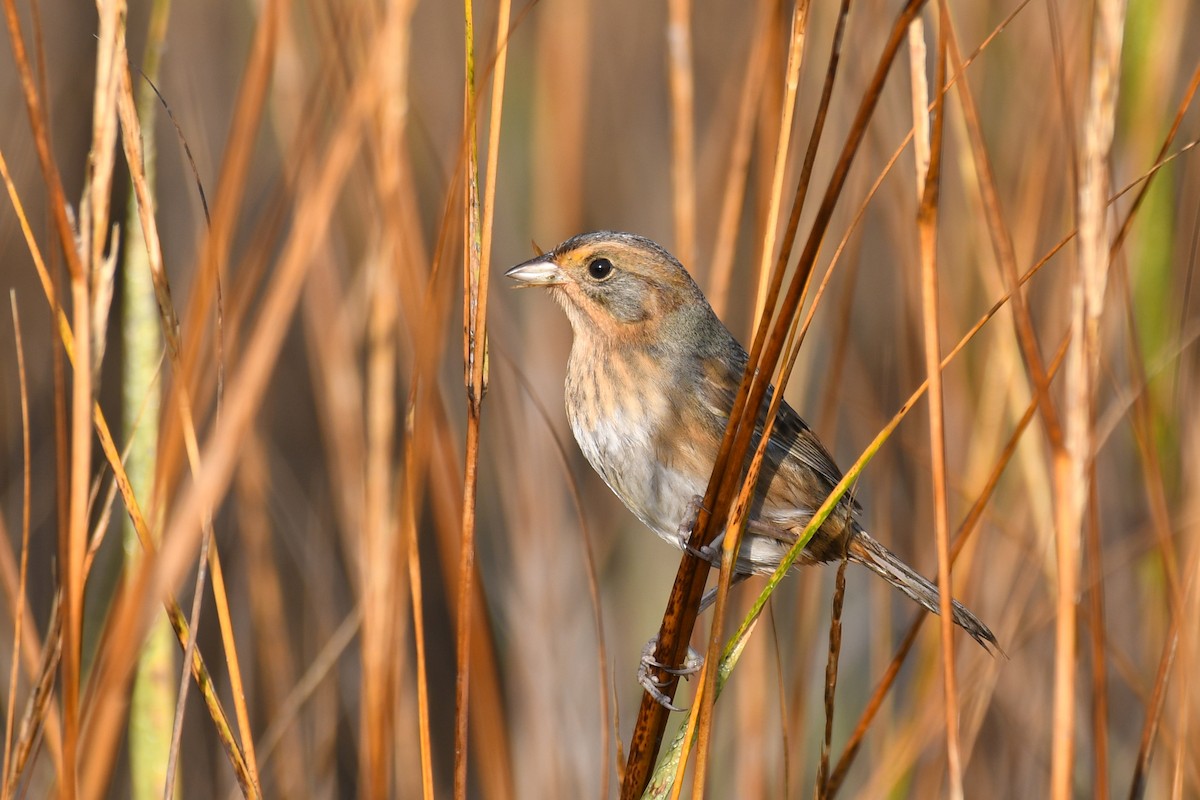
650 385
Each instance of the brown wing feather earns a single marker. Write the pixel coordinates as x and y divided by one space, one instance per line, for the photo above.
797 466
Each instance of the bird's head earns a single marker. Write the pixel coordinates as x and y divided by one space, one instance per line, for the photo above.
616 285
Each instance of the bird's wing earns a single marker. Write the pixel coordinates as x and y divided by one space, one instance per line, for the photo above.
798 467
791 433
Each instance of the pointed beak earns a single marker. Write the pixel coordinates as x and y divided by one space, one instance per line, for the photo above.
540 271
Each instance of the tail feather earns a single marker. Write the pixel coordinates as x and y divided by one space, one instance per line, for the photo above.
883 562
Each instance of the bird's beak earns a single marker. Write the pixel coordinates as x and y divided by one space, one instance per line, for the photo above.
540 271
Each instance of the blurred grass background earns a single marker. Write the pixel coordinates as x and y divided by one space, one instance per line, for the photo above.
338 459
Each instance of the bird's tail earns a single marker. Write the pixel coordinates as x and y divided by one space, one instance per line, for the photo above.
883 562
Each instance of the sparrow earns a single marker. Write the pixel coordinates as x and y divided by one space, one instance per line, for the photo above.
650 385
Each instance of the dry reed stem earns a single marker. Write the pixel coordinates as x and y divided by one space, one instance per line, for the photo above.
189 651
379 630
73 540
735 645
131 141
383 551
268 612
667 779
651 721
390 567
762 305
209 556
114 459
108 691
214 248
732 544
1002 245
1066 521
1191 655
848 361
751 395
732 200
1156 702
1099 672
322 664
701 716
232 662
246 390
1160 158
965 529
797 330
428 344
1054 28
1087 304
153 694
19 610
929 185
799 287
488 728
475 650
920 101
101 511
852 745
689 735
1142 421
968 524
57 201
170 329
757 697
65 336
859 215
489 732
683 127
678 620
831 672
67 485
1154 710
1154 480
408 533
496 108
474 345
37 716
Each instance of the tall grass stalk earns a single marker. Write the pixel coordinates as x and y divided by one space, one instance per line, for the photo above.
408 595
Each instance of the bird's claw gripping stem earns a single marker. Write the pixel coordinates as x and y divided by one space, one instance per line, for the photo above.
691 665
710 552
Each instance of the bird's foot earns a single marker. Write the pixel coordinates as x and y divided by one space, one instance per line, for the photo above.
653 686
691 513
710 595
710 552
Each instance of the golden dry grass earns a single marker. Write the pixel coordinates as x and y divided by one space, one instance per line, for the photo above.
335 424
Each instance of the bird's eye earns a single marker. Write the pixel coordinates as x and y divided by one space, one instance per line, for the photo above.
599 269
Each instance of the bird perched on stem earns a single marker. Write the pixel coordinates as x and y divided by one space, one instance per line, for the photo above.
651 382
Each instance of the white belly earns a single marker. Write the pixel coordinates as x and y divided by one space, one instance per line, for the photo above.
627 459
